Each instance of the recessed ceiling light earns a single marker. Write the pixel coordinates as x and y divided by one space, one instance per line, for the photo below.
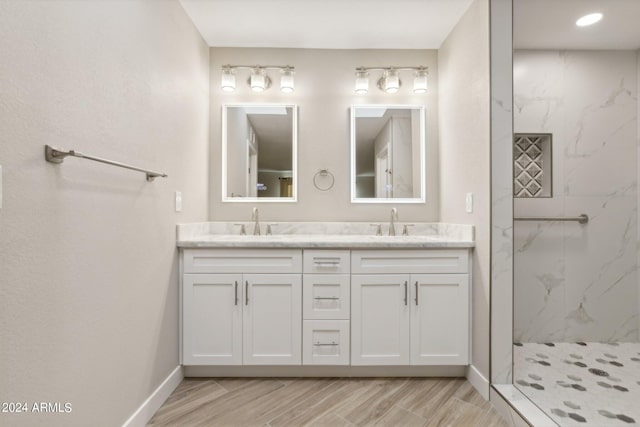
589 19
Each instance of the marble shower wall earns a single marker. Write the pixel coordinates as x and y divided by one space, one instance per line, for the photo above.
571 281
638 170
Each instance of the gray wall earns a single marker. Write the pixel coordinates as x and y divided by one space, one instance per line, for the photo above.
324 83
464 103
88 263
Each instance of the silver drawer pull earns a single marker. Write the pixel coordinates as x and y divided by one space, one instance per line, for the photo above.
236 293
331 344
331 298
316 262
405 293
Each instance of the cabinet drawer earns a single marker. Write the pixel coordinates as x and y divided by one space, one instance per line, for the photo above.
242 261
326 261
410 261
325 296
325 342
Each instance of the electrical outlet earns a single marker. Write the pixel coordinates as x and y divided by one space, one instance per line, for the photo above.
469 202
178 201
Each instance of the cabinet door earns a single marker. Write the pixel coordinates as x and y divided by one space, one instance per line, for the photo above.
212 319
439 319
272 320
380 319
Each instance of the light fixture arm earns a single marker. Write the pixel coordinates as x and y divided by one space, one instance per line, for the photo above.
416 68
263 67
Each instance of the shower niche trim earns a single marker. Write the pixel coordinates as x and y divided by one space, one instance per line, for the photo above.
532 165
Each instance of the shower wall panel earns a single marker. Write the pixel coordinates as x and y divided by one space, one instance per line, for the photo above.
579 282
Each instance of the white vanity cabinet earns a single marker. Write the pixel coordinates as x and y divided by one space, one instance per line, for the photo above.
242 307
326 307
420 317
366 307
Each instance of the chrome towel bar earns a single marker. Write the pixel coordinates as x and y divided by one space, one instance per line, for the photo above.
56 155
581 219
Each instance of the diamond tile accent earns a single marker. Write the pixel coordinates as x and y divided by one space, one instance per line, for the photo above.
529 172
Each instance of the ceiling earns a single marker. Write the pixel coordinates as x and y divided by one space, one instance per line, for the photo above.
550 24
326 24
405 24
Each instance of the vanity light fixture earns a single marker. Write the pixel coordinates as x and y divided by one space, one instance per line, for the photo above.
420 81
286 80
390 81
589 19
228 80
258 80
362 81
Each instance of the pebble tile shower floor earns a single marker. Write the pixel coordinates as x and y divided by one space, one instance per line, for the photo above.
581 384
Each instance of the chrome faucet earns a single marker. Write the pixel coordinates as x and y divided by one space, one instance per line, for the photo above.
255 216
392 224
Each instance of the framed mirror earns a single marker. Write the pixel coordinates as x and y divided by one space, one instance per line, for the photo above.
387 154
259 153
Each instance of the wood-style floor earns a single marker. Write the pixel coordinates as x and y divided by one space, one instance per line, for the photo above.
333 402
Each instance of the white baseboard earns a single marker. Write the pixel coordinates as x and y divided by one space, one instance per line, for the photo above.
478 381
324 371
145 412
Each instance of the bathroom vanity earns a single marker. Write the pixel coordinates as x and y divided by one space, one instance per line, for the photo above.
317 296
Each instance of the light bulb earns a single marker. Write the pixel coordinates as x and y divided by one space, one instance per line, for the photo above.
362 82
590 19
228 83
286 80
391 81
258 80
420 81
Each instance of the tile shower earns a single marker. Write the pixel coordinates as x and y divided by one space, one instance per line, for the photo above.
576 292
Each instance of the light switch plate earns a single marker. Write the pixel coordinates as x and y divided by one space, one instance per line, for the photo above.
178 201
469 202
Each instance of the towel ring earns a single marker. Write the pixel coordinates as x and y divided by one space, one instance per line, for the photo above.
323 173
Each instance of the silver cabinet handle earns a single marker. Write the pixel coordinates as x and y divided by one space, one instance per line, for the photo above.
416 292
332 344
235 290
405 293
332 298
246 292
326 261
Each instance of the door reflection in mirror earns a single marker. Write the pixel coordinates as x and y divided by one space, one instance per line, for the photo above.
387 153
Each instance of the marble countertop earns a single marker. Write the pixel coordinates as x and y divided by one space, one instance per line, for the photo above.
324 235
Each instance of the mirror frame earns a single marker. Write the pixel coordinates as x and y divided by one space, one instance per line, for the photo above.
294 156
422 145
